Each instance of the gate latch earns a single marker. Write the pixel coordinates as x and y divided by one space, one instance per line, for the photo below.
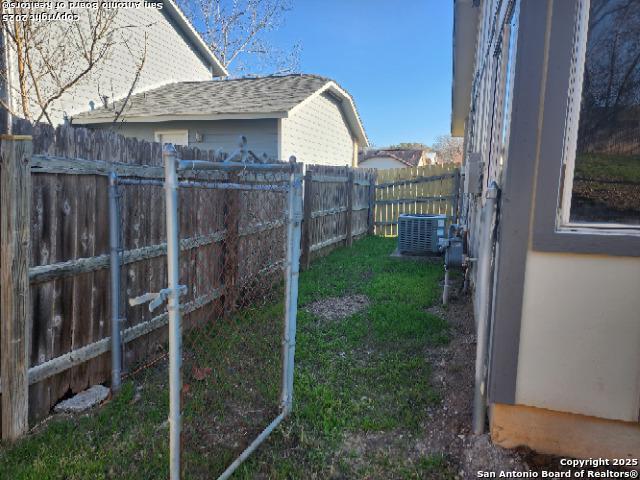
156 299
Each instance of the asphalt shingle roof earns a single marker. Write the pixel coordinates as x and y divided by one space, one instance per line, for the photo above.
244 95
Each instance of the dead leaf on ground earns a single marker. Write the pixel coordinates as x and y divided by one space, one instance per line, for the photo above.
201 373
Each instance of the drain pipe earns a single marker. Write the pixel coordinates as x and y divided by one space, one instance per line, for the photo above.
484 293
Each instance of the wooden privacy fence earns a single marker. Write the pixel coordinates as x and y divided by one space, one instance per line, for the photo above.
338 206
429 189
55 308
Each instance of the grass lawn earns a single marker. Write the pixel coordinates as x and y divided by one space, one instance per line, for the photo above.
594 166
355 377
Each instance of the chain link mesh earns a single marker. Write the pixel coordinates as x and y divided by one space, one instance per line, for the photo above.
233 236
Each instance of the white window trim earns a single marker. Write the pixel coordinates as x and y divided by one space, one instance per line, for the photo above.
573 110
563 222
157 134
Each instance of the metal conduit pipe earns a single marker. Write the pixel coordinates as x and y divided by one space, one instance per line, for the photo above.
170 159
114 265
484 294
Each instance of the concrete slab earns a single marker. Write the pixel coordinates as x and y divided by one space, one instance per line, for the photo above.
83 400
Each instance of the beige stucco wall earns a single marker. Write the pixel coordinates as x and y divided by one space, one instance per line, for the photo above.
381 163
316 132
262 134
169 58
580 335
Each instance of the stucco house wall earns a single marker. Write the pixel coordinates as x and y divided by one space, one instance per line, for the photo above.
583 336
316 132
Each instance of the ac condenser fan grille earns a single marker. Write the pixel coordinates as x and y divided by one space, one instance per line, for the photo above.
418 233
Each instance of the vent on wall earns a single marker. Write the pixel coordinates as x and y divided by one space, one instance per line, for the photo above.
418 234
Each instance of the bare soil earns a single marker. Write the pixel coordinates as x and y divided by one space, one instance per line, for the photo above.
338 308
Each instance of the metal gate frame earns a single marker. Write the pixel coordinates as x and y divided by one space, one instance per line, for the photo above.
173 166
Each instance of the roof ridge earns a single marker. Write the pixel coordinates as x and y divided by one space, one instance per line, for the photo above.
260 77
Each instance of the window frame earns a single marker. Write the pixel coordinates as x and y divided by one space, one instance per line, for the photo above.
552 232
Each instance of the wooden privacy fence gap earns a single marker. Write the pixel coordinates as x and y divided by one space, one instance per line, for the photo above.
15 300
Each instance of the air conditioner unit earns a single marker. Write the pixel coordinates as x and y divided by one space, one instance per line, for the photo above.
418 234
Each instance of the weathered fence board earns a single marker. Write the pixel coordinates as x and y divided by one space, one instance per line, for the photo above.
68 268
431 189
15 300
338 206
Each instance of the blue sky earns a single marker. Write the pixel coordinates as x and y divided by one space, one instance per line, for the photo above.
393 56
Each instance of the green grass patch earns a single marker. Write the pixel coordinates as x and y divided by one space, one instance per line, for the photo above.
358 376
599 166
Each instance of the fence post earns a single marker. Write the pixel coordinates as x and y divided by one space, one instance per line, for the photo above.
372 204
173 308
455 196
230 249
306 220
15 302
294 221
350 175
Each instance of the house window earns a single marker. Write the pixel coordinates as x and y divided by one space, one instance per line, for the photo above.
177 137
602 146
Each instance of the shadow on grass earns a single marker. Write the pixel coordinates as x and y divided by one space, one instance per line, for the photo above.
365 373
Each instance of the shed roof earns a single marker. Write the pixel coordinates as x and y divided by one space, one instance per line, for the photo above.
242 98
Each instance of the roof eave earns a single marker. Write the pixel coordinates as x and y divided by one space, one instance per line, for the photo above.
178 117
351 113
217 68
465 31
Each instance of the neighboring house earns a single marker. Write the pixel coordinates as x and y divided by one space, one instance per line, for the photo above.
439 159
385 158
174 52
563 289
308 116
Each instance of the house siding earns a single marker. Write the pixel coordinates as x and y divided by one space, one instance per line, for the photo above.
169 58
316 132
382 163
262 134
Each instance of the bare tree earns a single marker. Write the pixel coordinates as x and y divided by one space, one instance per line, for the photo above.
237 31
448 149
411 146
611 86
51 58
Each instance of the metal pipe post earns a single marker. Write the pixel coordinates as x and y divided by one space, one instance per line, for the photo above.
484 293
445 289
294 233
114 261
173 307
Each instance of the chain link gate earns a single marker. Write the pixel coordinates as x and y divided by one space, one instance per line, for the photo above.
233 249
